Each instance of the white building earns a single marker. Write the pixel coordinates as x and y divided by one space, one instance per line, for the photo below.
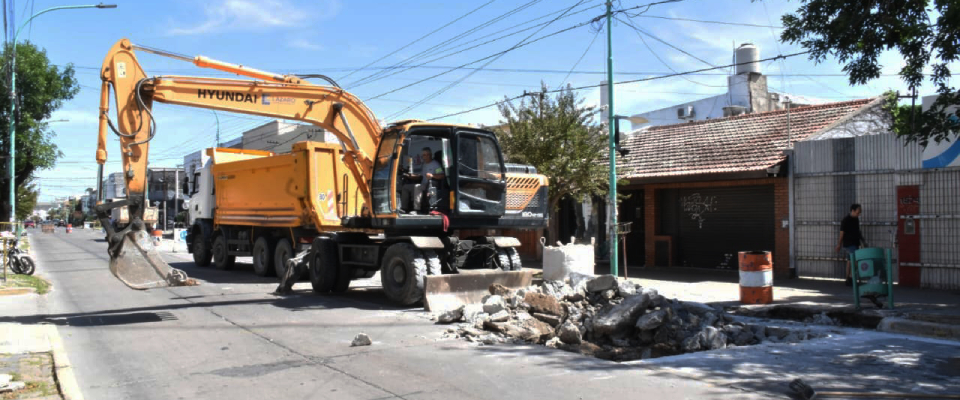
278 136
747 92
114 186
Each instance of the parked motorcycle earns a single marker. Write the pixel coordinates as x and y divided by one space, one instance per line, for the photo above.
18 261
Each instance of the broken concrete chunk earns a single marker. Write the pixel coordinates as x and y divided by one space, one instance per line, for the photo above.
544 304
743 338
609 294
601 283
500 316
712 339
553 343
552 320
627 288
570 334
621 316
821 319
691 344
451 316
542 329
652 320
777 332
499 290
493 304
471 311
361 340
698 309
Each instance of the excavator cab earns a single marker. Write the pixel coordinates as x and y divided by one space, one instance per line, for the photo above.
428 170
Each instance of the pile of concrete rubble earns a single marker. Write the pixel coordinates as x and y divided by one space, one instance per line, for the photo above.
606 318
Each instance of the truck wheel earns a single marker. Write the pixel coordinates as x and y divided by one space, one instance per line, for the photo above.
281 253
402 273
263 257
201 251
433 262
221 260
503 260
515 263
324 265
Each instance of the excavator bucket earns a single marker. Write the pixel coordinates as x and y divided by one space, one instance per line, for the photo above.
138 265
447 292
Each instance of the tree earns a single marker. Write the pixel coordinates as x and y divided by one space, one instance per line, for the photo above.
556 134
856 32
41 89
26 200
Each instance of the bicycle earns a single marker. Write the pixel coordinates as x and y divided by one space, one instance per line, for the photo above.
17 261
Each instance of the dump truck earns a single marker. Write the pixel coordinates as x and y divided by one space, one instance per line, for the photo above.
359 207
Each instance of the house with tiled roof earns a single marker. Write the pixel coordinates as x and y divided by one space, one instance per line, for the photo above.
701 191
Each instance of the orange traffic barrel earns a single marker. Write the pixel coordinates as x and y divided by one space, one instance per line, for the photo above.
69 228
756 277
157 233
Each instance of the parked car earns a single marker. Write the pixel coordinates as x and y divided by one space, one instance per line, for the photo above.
29 224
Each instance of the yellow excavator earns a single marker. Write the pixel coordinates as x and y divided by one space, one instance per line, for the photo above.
359 223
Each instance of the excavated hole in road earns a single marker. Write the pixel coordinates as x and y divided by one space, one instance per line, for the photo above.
866 319
608 319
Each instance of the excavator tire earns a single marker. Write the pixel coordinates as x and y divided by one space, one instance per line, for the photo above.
263 257
201 251
503 260
221 260
324 266
515 263
433 262
402 273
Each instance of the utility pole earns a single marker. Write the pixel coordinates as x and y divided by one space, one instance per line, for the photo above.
611 153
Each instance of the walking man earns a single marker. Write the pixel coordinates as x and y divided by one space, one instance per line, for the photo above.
850 237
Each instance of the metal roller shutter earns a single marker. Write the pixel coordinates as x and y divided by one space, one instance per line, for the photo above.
710 225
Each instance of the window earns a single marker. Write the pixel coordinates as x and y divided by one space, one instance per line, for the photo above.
479 158
381 175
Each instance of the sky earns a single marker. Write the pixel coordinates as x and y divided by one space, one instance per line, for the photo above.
337 38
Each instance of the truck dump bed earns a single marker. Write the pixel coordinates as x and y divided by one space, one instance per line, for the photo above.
308 187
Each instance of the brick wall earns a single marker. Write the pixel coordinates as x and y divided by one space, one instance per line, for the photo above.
781 251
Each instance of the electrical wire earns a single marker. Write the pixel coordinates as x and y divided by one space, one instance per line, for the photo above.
587 50
657 56
417 40
451 85
777 57
709 22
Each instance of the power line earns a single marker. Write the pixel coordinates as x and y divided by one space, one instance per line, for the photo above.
417 40
587 50
438 47
779 56
710 22
451 85
657 56
654 37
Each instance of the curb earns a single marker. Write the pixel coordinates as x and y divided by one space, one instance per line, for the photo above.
919 328
61 366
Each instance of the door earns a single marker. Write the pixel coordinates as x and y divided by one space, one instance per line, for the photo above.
382 190
481 176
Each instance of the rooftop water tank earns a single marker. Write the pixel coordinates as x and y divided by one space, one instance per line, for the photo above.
749 54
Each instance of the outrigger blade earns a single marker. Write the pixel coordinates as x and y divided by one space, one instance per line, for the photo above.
447 292
138 264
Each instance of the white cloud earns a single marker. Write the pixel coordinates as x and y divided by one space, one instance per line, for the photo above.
234 15
305 44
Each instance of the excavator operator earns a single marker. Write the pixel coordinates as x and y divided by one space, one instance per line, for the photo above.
430 169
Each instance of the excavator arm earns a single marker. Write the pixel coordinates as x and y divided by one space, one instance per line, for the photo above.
132 257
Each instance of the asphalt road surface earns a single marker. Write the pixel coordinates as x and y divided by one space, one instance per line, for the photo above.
230 339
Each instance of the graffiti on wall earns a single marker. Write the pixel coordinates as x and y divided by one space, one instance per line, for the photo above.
697 206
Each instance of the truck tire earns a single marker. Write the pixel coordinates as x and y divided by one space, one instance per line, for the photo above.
263 257
503 260
324 265
402 273
201 251
221 260
433 262
515 263
282 252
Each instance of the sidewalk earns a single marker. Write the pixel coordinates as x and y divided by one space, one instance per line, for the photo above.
35 354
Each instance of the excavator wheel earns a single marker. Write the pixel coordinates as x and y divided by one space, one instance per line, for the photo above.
263 257
402 273
324 267
515 263
221 259
503 260
433 263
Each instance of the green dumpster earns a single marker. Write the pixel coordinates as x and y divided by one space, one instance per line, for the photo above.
872 276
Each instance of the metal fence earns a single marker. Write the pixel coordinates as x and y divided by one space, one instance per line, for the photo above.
830 175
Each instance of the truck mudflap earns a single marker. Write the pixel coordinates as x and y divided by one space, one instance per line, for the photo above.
447 292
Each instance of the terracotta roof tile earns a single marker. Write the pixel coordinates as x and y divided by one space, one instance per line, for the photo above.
743 143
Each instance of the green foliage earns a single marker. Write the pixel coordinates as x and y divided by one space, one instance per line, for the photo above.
903 115
557 135
26 199
41 89
856 32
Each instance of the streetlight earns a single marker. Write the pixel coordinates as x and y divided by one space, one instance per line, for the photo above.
13 100
612 228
